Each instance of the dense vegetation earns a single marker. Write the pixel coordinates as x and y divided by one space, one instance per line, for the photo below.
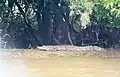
29 23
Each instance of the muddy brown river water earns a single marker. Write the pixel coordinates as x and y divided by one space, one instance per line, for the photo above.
34 64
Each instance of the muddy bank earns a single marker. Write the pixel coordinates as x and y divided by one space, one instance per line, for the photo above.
18 53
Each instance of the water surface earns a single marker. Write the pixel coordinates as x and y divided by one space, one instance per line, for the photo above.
57 66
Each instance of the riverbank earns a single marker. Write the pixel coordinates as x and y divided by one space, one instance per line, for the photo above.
16 53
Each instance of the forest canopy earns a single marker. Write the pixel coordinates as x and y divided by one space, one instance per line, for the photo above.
32 23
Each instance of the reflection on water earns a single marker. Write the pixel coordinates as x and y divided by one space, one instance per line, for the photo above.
12 68
58 67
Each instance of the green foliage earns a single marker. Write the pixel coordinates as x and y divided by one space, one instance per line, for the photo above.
113 5
99 11
10 13
79 13
107 11
80 6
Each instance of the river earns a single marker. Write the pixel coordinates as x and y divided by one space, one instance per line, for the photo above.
56 66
